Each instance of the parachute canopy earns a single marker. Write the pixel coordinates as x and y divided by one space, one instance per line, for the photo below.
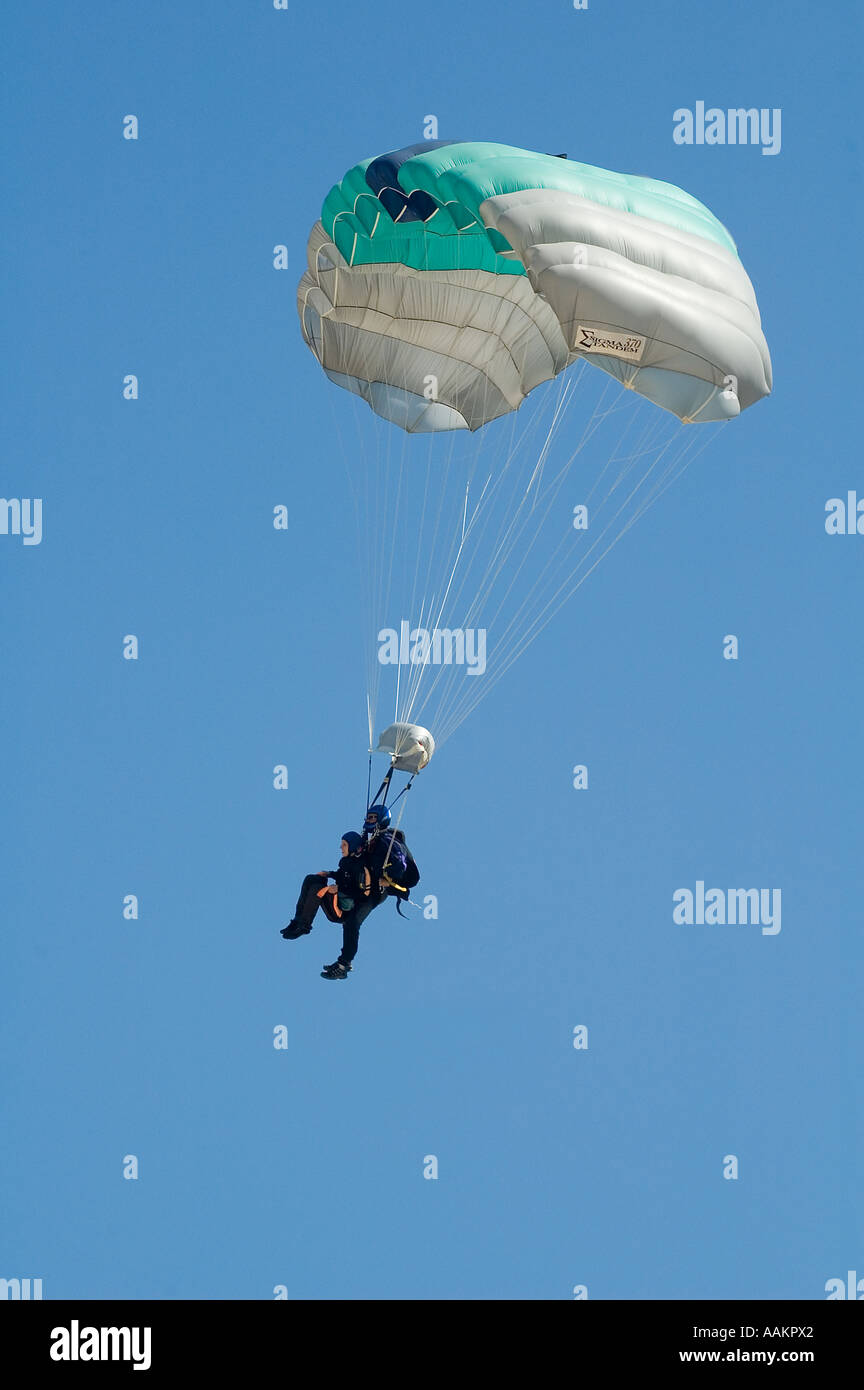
448 279
410 745
448 284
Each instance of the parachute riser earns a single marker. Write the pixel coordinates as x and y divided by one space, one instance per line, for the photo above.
381 794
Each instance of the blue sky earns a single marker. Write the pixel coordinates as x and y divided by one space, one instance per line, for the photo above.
303 1167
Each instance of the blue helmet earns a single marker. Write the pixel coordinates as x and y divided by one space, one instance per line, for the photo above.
377 817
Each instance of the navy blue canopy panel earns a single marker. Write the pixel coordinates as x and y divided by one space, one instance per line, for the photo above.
382 176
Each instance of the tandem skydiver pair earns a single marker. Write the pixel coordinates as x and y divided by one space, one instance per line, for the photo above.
375 865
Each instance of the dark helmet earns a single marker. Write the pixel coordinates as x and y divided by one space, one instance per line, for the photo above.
377 817
352 840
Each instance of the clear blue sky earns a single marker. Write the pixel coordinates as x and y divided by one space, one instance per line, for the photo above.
304 1167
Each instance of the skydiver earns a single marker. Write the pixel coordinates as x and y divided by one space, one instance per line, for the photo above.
371 869
385 859
350 886
372 855
385 853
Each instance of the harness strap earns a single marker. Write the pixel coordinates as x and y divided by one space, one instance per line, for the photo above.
322 893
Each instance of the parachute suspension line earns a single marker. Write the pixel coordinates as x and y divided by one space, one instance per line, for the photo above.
471 525
645 445
418 548
482 514
378 536
479 521
419 545
670 474
504 542
566 539
430 599
369 773
506 528
414 684
504 503
656 491
383 514
402 313
393 519
534 626
528 599
425 595
503 546
374 558
541 458
722 424
392 516
361 517
377 547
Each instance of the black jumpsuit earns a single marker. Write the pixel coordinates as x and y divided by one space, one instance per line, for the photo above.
376 854
349 878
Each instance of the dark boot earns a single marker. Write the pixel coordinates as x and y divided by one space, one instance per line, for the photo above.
293 930
336 971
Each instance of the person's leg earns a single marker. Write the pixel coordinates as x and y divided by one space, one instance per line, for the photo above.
330 906
307 905
351 924
350 937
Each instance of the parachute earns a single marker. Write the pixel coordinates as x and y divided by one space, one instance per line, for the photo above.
409 745
449 283
494 268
